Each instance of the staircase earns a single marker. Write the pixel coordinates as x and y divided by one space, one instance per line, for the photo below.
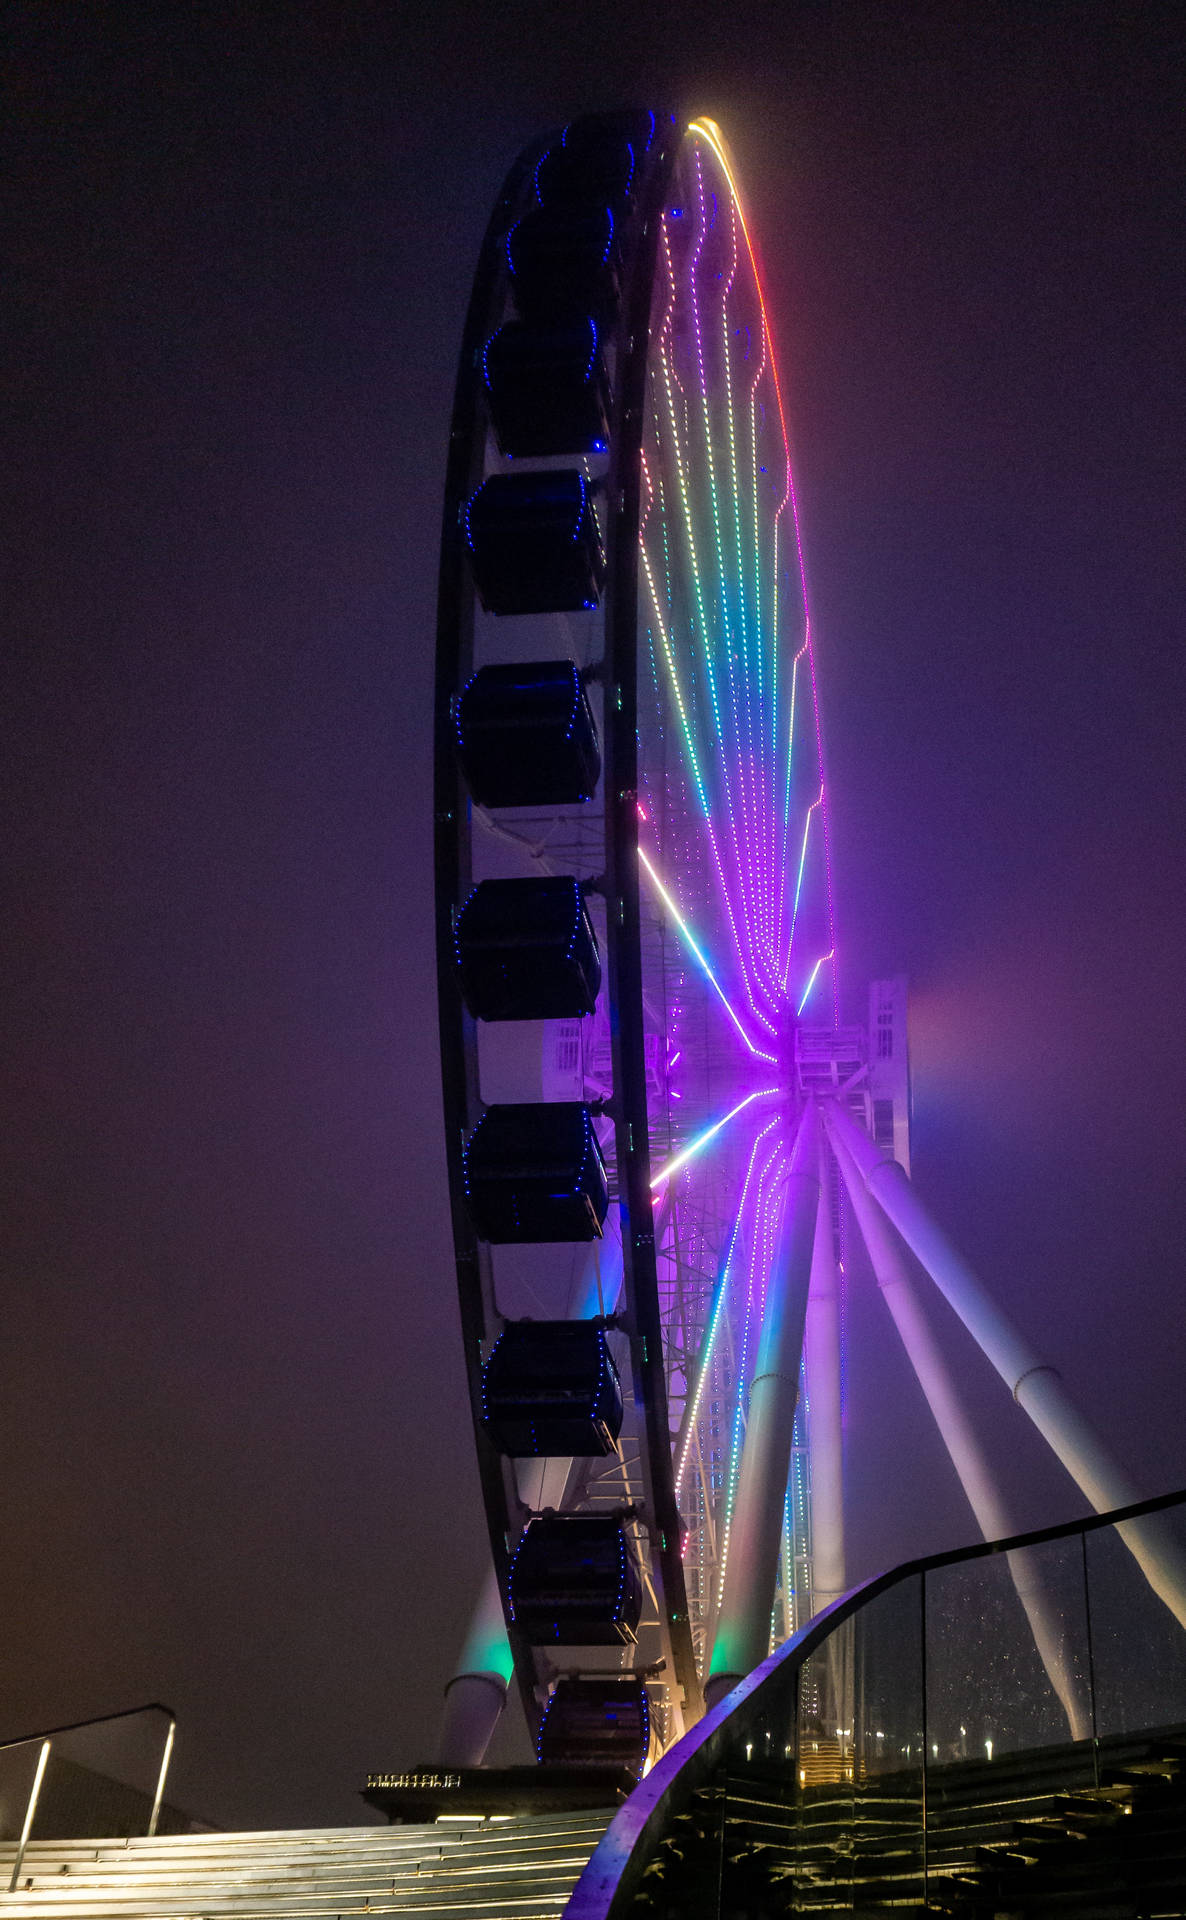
498 1869
1106 1852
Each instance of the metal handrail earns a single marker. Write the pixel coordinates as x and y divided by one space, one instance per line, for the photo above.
96 1720
610 1881
48 1735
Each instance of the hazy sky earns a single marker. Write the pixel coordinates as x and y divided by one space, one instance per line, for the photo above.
234 1454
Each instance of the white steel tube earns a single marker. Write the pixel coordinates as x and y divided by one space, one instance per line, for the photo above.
1034 1384
473 1708
828 1579
967 1455
476 1695
743 1627
822 1356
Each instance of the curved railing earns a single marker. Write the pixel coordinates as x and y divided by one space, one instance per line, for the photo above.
44 1741
846 1757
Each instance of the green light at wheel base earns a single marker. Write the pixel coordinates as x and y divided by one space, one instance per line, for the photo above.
487 1650
724 1658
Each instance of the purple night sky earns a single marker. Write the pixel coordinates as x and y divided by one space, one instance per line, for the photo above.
235 1469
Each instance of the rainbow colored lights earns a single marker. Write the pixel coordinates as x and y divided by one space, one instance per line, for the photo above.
739 933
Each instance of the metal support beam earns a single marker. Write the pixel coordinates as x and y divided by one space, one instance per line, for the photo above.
822 1355
476 1695
1035 1385
828 1579
967 1455
743 1627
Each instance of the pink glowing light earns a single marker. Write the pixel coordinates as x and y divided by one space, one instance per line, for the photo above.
709 131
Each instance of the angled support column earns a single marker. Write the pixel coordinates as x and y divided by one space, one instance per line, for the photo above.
967 1455
477 1693
828 1579
743 1629
1034 1384
826 1436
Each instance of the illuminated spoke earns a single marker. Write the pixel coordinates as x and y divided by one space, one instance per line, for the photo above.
811 982
684 928
710 1133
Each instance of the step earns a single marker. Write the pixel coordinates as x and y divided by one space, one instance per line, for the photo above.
513 1867
71 1892
327 1839
362 1846
139 1870
509 1896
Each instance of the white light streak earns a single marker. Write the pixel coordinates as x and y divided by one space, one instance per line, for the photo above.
702 1139
686 930
811 982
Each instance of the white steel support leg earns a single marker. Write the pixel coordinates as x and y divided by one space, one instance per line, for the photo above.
743 1627
1034 1384
476 1695
967 1455
828 1579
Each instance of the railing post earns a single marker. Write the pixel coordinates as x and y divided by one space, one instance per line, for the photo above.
166 1756
30 1810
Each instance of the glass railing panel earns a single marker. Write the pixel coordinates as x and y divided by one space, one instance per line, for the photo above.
823 1773
752 1805
683 1875
1138 1644
1008 1697
821 1795
886 1735
1007 1654
971 1734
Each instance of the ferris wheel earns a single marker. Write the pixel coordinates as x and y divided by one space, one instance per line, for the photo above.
651 1107
634 907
